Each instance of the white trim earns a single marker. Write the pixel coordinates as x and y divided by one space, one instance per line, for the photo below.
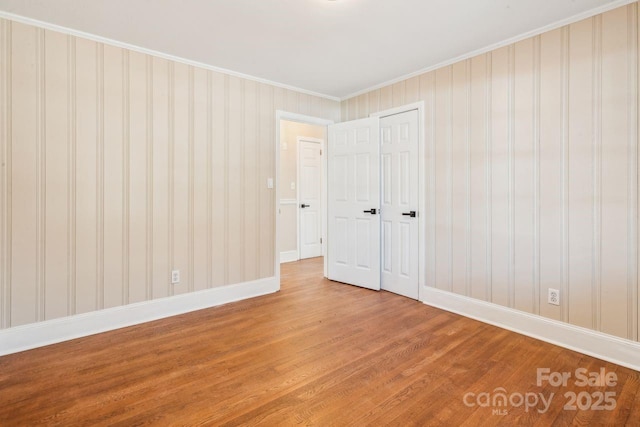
325 202
546 28
111 42
422 196
309 139
301 118
597 344
39 334
575 18
323 191
288 202
289 256
398 110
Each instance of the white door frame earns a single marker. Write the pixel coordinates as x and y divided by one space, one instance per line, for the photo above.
323 191
422 186
310 120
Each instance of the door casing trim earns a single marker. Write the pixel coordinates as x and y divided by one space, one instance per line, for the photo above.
310 120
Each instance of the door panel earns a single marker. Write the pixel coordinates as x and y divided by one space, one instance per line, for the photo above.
363 177
405 249
310 234
400 196
341 236
353 188
310 197
387 227
340 173
386 176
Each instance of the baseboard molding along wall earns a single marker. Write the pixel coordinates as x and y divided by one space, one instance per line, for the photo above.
288 256
20 338
597 344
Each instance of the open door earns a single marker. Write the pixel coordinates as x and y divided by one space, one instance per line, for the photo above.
353 197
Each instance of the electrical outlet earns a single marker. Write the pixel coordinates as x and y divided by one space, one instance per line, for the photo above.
175 277
554 296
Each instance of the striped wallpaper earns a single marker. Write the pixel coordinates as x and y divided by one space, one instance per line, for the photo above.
118 167
533 172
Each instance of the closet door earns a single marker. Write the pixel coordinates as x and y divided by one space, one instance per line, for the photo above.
399 165
353 195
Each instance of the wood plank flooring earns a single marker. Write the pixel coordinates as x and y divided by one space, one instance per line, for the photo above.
316 353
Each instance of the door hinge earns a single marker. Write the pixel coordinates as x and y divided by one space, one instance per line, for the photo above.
321 240
321 152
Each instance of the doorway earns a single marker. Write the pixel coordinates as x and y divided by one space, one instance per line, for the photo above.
414 226
300 213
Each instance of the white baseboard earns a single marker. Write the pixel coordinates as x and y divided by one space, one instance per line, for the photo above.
39 334
288 256
597 344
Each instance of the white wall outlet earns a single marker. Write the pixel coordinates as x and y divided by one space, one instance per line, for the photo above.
175 277
269 182
293 185
554 296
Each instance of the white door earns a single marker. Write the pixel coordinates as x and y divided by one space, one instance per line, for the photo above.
399 167
353 225
310 199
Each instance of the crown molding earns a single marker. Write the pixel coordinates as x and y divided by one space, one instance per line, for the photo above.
553 26
60 29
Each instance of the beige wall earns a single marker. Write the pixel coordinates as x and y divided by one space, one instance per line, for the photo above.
289 132
532 172
118 167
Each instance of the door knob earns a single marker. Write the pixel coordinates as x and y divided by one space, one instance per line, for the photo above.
371 211
305 206
412 214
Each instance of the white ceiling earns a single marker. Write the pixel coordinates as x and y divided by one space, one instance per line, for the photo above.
335 48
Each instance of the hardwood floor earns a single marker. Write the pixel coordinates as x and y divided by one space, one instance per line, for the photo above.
316 353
